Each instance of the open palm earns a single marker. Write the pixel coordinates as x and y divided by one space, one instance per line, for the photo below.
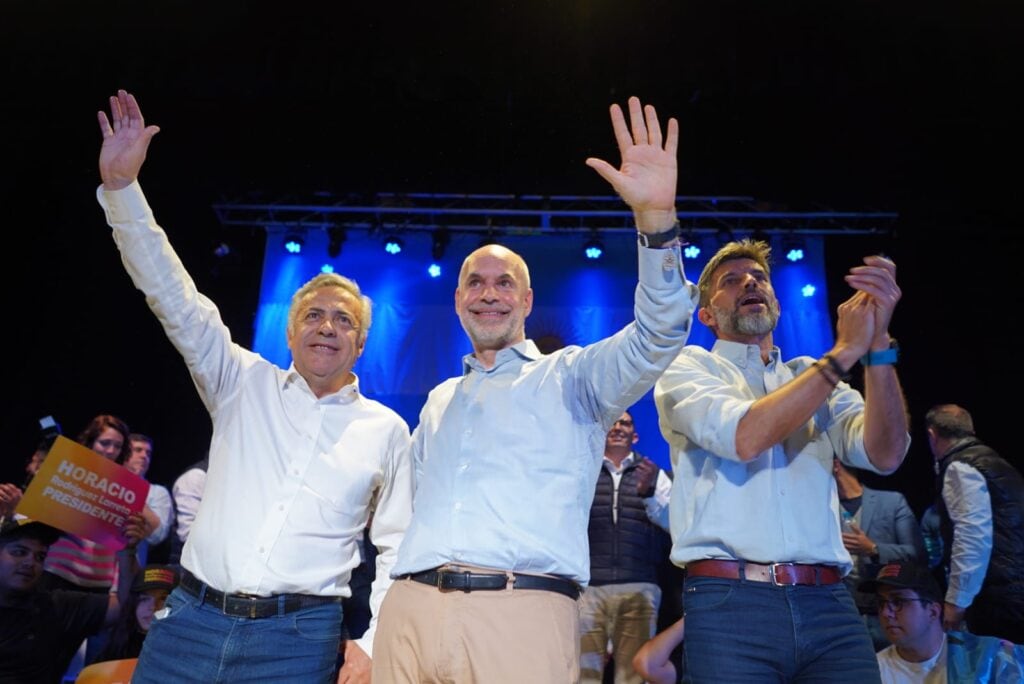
125 141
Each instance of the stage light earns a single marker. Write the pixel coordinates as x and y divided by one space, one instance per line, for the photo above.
794 248
392 245
335 238
593 249
327 268
808 290
434 271
691 251
439 242
293 243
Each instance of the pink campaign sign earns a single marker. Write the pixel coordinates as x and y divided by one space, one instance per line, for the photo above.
78 491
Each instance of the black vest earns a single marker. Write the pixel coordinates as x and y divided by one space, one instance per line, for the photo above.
1005 575
632 549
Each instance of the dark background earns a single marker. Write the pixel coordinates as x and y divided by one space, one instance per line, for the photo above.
905 107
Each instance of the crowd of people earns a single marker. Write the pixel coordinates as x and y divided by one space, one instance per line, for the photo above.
516 534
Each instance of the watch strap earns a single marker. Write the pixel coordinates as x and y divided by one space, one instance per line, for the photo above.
656 240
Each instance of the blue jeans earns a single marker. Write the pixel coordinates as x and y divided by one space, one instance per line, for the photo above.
198 643
742 631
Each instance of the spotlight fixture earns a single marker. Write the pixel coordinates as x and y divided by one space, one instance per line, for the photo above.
392 245
434 271
293 243
593 249
335 238
691 251
439 243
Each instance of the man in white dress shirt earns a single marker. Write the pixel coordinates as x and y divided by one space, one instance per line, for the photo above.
298 459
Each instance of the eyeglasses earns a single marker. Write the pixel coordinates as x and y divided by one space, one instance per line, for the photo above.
897 603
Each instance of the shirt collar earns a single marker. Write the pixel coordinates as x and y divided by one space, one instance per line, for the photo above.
346 395
525 350
743 355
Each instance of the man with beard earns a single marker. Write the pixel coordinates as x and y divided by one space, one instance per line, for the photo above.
507 454
755 512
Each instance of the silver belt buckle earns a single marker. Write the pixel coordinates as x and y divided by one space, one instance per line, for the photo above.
771 573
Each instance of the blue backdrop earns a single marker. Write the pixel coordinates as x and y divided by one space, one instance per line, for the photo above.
416 340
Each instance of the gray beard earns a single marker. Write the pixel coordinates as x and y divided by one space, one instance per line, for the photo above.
735 323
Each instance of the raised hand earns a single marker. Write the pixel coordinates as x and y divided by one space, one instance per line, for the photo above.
647 178
855 326
877 278
125 141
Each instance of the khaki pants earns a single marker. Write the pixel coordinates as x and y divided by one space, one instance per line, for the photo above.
624 615
516 636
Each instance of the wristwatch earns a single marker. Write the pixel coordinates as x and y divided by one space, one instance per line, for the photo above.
656 240
881 358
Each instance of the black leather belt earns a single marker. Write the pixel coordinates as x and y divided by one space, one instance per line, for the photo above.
245 605
459 580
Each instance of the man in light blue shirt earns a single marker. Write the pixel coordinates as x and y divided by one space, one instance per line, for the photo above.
754 511
507 455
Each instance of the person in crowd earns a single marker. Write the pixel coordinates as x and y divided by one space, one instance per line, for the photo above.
628 541
40 630
298 459
187 492
149 590
507 455
158 499
981 509
755 511
910 606
878 527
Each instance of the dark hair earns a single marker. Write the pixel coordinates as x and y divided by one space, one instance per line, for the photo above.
950 421
125 636
100 423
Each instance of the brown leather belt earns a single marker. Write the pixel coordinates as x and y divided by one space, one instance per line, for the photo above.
779 574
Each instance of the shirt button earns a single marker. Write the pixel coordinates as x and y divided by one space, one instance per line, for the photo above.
281 507
261 549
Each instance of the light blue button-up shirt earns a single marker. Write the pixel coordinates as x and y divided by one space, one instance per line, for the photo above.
506 459
782 506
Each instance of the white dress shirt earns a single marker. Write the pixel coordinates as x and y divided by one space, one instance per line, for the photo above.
782 506
292 478
969 505
507 458
188 492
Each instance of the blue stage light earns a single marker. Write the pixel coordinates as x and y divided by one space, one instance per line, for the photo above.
593 249
808 290
691 251
795 254
327 268
393 245
434 270
293 244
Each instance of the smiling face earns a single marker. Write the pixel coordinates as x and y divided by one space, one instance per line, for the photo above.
325 338
742 307
494 298
21 564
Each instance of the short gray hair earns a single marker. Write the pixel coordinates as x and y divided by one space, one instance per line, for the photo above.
333 280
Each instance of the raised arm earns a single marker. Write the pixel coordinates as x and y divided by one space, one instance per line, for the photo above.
125 141
646 181
886 439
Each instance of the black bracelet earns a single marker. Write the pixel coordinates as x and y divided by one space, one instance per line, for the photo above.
829 378
658 240
836 368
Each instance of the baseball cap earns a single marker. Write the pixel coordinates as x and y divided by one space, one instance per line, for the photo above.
156 577
905 576
20 526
